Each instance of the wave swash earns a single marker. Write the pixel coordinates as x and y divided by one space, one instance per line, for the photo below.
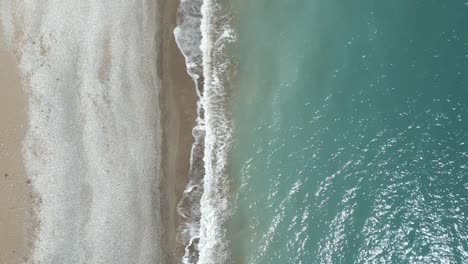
203 34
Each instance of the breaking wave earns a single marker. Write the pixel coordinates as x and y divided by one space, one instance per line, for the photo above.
203 34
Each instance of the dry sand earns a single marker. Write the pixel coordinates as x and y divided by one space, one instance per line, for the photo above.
178 105
179 114
15 192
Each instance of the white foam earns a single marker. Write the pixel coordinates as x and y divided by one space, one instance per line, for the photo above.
216 33
188 35
93 143
202 41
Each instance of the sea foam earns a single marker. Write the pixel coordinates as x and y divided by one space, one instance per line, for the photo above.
92 148
203 35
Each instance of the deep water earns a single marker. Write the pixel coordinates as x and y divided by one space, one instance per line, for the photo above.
350 132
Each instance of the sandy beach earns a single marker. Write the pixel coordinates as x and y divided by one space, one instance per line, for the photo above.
15 189
177 100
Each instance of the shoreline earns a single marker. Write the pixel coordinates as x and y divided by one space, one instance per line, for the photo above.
17 221
178 108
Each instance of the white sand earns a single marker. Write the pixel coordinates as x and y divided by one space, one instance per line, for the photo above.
93 145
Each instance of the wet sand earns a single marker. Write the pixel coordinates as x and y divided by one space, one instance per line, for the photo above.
178 107
15 191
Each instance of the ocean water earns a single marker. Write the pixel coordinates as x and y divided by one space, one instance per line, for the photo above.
349 132
328 132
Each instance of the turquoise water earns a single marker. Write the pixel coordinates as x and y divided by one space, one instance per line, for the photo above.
350 132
